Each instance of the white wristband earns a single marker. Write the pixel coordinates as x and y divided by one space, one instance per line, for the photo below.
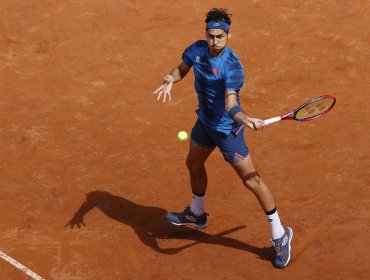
170 77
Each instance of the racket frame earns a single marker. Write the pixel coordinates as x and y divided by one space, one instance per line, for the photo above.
292 115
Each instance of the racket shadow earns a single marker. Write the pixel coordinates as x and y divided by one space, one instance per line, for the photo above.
150 226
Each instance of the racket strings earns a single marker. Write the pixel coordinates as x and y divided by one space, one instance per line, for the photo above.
314 109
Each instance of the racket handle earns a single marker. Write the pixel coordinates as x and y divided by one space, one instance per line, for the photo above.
272 120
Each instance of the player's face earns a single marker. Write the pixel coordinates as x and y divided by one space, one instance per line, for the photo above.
217 40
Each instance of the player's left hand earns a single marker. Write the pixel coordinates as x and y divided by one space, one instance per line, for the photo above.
165 89
76 221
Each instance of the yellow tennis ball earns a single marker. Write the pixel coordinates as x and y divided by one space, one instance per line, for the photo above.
183 136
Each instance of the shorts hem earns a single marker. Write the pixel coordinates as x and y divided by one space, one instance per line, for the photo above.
202 145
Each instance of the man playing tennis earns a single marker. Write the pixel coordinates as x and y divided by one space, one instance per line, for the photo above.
219 76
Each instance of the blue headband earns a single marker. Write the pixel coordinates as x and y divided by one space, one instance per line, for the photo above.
218 25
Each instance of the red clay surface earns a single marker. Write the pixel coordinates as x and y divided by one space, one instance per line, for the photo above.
82 133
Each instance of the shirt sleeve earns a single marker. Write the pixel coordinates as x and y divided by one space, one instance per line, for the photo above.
234 75
187 56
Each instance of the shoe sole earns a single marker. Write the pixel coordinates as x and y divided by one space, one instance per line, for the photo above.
185 224
290 234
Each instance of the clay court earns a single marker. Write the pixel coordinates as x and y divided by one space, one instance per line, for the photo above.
90 161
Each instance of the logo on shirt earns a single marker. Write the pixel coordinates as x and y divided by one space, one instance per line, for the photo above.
215 70
197 59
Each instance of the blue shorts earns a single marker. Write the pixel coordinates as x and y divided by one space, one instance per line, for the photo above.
232 146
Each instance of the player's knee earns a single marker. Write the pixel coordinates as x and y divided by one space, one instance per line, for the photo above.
193 164
252 181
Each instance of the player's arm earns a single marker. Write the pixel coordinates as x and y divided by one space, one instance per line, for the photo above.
176 74
237 114
179 72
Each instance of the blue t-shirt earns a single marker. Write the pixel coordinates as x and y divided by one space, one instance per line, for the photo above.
214 76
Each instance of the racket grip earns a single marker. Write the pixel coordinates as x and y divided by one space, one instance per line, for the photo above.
272 120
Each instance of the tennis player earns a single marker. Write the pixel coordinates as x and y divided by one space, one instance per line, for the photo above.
219 77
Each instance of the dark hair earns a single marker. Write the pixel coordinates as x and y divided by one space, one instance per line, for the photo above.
218 14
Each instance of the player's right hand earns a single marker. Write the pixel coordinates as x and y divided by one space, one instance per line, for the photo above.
165 88
255 123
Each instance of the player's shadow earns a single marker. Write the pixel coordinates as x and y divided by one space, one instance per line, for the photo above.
149 225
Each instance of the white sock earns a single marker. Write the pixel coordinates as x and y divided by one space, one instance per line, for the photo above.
277 230
197 205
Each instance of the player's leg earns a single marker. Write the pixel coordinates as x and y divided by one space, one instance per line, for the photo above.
236 153
201 146
195 162
254 182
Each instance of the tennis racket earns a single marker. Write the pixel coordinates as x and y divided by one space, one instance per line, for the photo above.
312 109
